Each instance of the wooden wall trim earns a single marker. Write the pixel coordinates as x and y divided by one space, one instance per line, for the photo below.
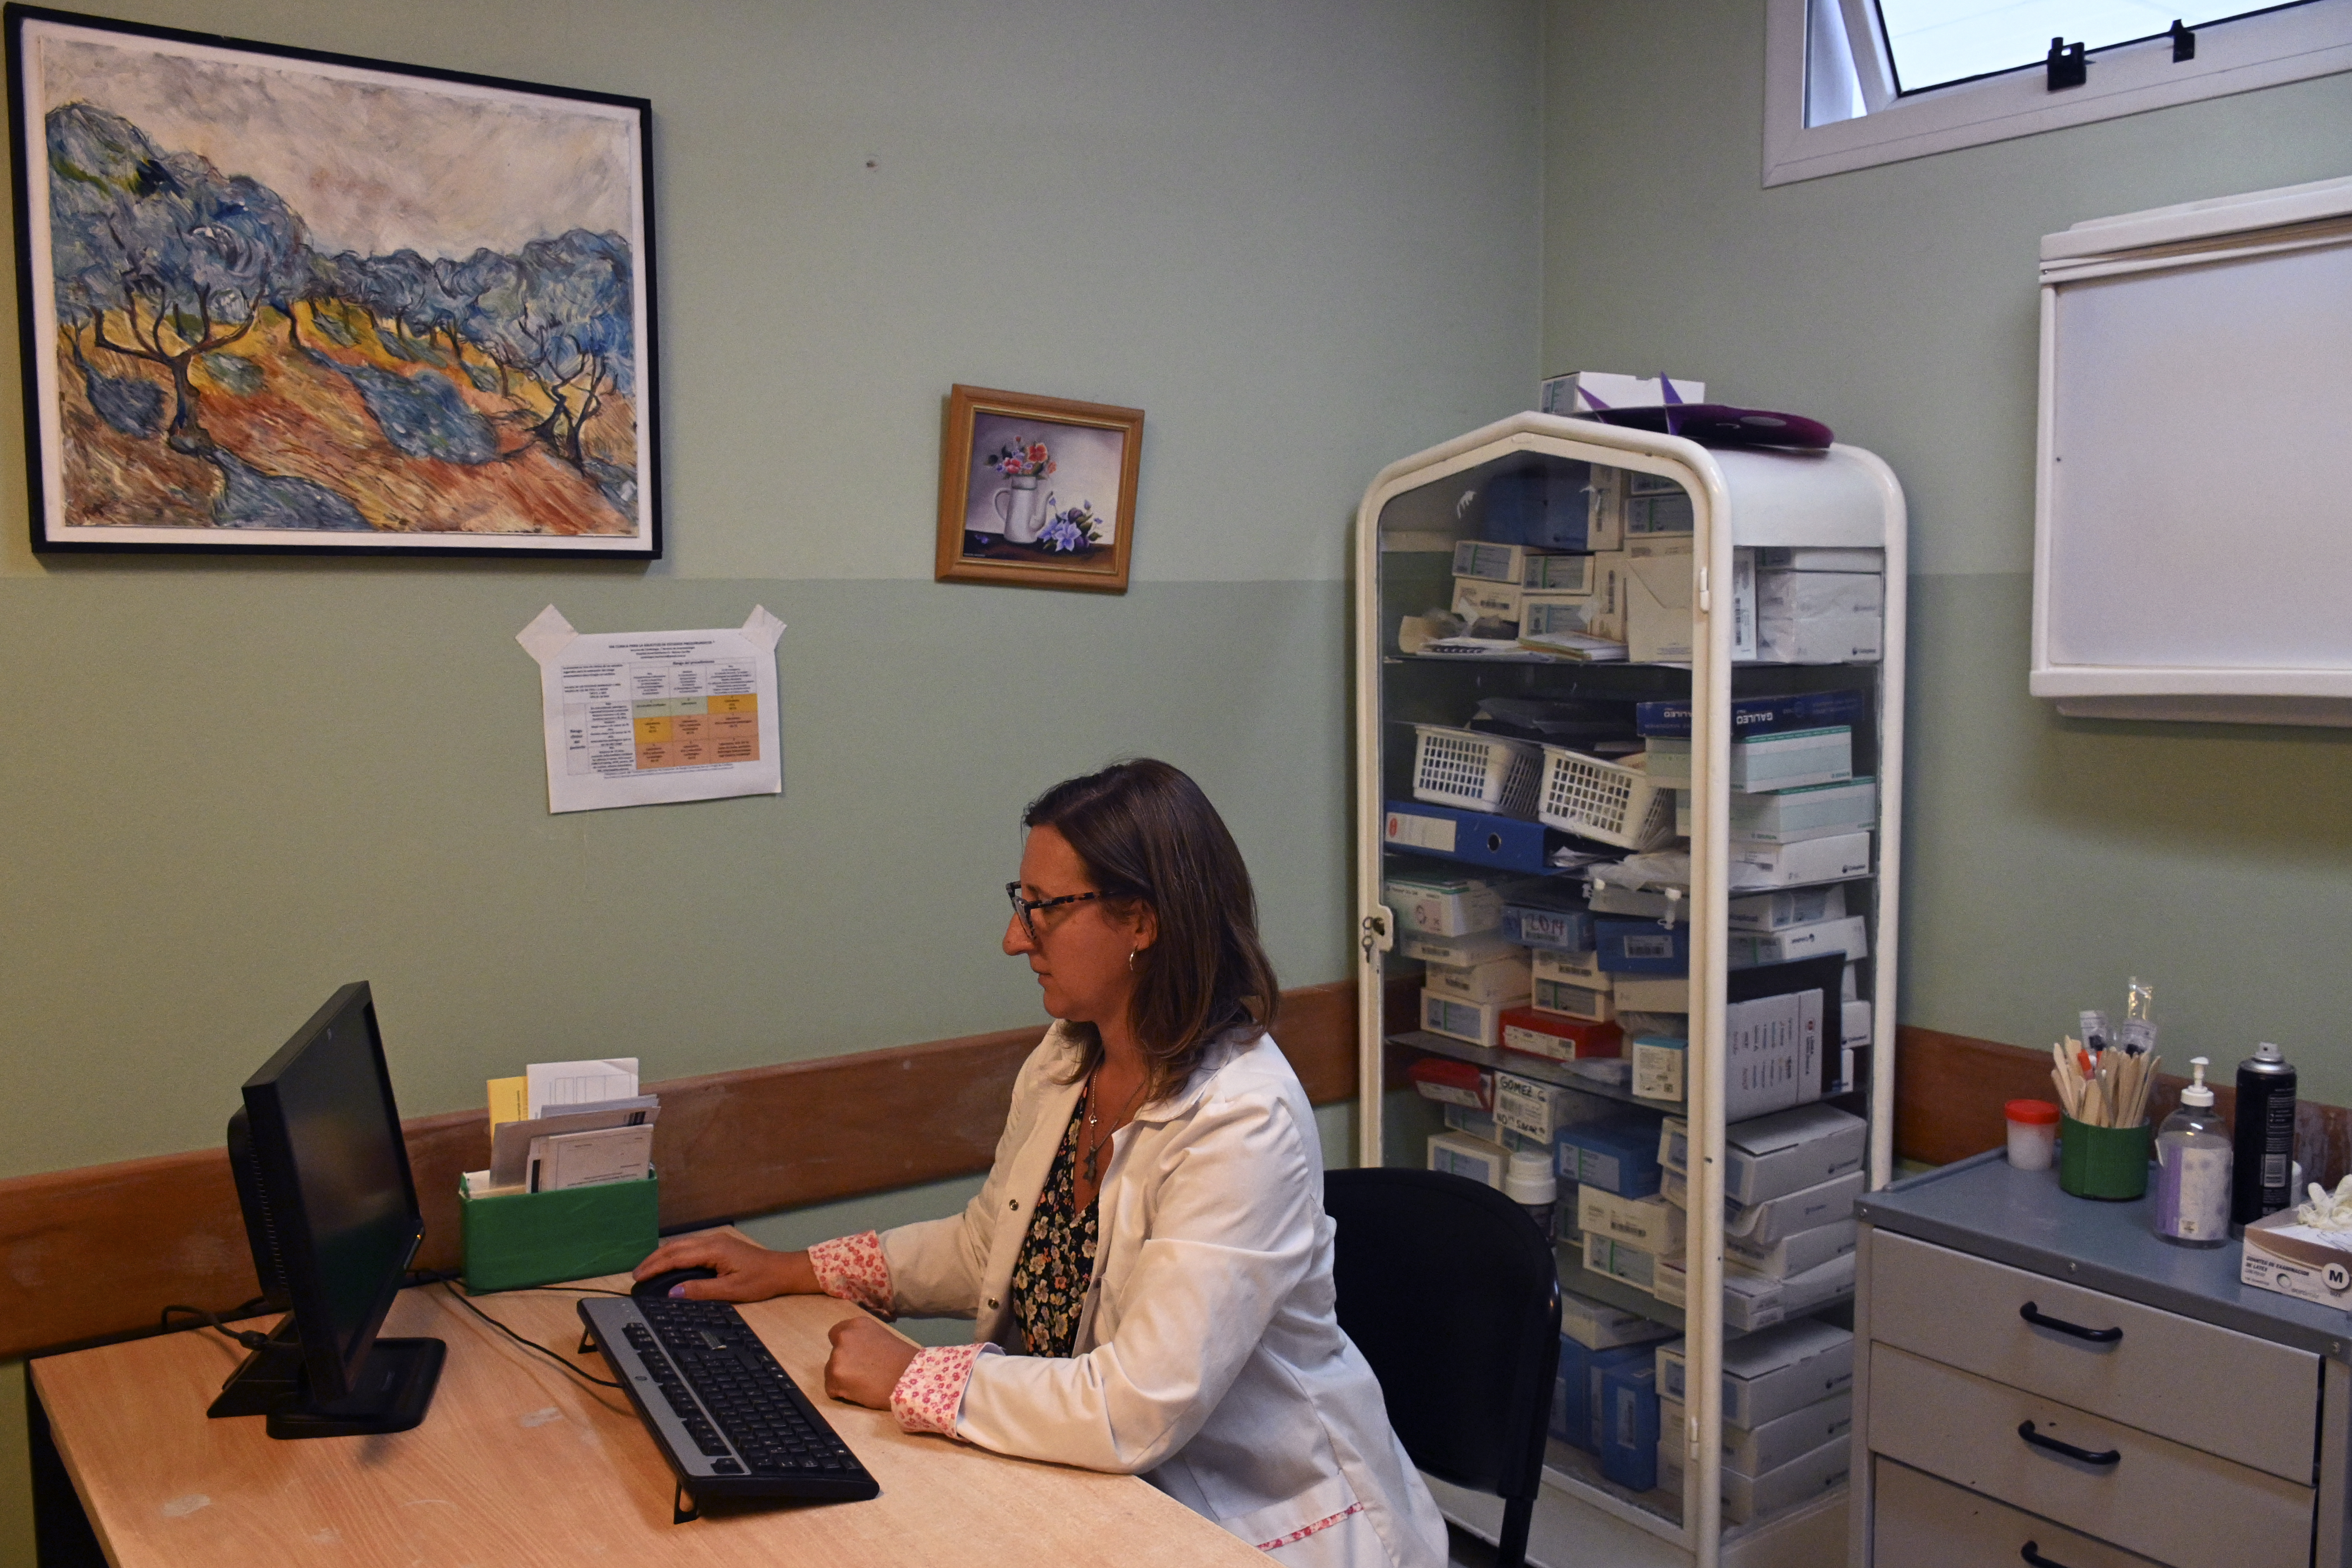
1950 1090
99 1250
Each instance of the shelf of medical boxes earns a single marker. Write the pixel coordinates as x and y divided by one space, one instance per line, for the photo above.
1518 1064
1575 1471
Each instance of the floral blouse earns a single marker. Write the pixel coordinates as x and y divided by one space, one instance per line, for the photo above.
1056 1262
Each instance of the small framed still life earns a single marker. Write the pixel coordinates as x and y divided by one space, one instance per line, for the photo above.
1037 491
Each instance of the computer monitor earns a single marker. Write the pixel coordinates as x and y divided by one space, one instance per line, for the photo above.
331 1212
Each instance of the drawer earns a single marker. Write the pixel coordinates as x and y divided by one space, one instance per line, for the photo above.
1919 1522
2155 1497
2212 1388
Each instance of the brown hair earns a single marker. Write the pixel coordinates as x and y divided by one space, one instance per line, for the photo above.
1148 836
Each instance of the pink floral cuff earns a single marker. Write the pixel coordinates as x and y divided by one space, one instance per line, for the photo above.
929 1393
853 1269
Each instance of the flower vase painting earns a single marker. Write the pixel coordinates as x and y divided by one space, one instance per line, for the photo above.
274 301
1037 491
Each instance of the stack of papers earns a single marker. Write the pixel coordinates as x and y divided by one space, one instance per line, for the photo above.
580 1124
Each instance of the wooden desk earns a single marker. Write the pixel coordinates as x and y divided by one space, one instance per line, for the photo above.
517 1463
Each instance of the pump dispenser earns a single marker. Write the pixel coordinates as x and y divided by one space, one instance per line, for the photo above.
2192 1168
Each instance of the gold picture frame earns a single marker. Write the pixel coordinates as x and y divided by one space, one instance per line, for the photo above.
1037 492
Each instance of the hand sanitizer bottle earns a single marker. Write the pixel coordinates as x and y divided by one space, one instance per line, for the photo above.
2192 1168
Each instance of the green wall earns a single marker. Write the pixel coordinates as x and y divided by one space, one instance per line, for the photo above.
2048 859
1304 238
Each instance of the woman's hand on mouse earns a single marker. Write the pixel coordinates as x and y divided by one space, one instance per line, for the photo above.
866 1362
744 1272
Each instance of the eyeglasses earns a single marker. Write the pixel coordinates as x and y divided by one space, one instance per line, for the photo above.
1025 910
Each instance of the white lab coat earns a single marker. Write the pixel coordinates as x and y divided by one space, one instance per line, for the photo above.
1208 1359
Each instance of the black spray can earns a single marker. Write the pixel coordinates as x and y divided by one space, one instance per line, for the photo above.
2262 1156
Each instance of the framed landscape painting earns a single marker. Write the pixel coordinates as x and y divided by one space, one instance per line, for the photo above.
276 300
1037 491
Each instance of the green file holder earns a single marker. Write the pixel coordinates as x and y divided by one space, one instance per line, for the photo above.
520 1240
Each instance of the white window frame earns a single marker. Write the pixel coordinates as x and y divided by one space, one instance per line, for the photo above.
2236 57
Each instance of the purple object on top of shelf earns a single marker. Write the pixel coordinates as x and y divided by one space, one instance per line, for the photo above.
1721 424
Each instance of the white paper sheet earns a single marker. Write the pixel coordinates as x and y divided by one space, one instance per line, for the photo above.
642 718
557 1086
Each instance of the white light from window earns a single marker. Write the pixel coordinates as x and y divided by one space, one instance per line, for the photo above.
1939 41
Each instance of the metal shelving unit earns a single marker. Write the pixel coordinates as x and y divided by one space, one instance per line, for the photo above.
1410 518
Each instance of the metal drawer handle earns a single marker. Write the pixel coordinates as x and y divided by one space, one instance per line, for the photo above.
2042 1320
2112 1457
2033 1555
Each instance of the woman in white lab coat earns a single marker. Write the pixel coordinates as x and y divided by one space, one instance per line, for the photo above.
1149 1260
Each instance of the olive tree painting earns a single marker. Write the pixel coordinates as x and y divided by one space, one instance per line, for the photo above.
278 300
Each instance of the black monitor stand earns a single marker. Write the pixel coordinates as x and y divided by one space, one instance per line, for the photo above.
390 1393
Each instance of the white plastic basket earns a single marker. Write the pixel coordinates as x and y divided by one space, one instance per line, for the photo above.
1472 771
1602 800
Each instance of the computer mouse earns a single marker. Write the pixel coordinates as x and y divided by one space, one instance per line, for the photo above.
660 1283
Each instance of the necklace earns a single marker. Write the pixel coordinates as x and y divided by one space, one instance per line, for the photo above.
1091 1158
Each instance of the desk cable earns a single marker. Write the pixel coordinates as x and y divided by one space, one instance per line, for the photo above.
556 1356
251 1338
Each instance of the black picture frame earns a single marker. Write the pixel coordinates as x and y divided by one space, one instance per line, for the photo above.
209 369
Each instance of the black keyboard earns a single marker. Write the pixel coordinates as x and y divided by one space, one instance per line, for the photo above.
729 1419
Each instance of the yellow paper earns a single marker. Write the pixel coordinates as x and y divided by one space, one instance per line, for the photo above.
507 1096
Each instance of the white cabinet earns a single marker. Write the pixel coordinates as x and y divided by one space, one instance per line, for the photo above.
1695 594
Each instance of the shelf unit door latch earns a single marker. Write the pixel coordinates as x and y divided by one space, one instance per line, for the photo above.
1705 599
1377 931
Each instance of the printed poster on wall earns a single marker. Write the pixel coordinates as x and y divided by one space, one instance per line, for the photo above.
647 717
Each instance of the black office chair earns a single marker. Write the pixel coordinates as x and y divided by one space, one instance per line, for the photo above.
1453 1297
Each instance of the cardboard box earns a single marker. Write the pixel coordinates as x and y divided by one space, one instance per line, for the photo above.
1645 903
1755 715
1807 1249
1479 1124
1629 1265
1652 993
1855 1020
1545 508
1642 946
1667 761
1646 1224
1607 617
1756 1451
1546 919
1776 1218
1503 978
1768 1375
1840 857
1459 951
1660 1064
1625 1439
1558 1039
1619 1155
1441 905
1650 516
1779 911
1449 1082
1466 1156
1569 576
1751 1301
1571 968
1772 1049
1472 1023
1583 390
1772 1156
1791 759
1533 1110
512 1241
1749 1497
1829 639
1597 1325
2283 1255
1578 1378
1812 811
1574 1000
1809 595
1507 563
1540 615
1848 935
1476 599
1658 622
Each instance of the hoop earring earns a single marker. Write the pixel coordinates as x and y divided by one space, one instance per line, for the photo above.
1130 958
